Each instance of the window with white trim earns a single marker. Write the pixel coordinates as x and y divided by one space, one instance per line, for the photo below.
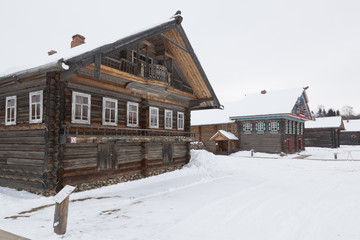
109 111
260 126
80 112
180 120
248 127
154 117
36 107
168 119
132 114
274 127
10 110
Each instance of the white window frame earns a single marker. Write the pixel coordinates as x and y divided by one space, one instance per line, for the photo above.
168 119
7 122
260 126
104 108
31 103
128 114
153 114
248 127
73 107
180 121
273 127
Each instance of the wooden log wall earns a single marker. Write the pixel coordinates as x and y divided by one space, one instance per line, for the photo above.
349 138
81 160
322 137
23 151
205 132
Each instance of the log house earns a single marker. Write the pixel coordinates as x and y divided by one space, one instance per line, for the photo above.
123 108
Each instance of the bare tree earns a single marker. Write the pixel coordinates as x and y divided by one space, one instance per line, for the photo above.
347 111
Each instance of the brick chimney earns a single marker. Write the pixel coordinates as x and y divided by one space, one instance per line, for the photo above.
77 40
51 52
263 91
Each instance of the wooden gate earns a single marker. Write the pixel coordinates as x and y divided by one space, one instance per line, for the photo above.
106 155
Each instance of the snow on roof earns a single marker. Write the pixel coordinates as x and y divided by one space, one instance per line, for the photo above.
325 122
352 125
42 60
273 102
228 135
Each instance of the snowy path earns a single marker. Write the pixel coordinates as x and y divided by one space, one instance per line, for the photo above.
214 197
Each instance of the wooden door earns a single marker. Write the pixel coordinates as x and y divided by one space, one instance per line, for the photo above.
300 146
106 155
289 145
167 152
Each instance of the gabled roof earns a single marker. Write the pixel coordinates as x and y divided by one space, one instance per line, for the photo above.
352 125
272 103
326 122
224 134
173 35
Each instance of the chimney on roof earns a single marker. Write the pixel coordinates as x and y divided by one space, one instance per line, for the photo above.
51 52
77 40
263 91
347 120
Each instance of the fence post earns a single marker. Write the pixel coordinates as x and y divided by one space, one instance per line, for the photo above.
61 209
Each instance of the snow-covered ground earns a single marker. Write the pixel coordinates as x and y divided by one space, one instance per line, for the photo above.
213 197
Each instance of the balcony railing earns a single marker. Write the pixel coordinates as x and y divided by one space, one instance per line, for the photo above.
100 131
147 70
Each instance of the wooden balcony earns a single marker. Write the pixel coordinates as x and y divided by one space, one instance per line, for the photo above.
146 70
89 133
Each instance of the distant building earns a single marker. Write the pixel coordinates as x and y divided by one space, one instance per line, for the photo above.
270 121
324 132
351 134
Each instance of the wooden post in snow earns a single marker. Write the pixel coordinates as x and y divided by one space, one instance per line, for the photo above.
61 209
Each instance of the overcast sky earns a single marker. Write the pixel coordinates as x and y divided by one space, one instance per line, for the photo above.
243 46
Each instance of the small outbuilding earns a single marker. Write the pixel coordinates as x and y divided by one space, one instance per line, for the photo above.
226 142
324 132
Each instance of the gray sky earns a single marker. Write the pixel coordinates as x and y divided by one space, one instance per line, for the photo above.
243 46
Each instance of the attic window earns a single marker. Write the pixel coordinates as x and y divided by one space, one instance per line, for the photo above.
142 57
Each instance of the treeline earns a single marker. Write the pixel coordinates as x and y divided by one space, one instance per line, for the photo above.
347 112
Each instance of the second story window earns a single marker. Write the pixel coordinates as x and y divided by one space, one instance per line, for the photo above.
168 119
132 114
81 103
10 113
180 121
154 117
35 107
110 111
